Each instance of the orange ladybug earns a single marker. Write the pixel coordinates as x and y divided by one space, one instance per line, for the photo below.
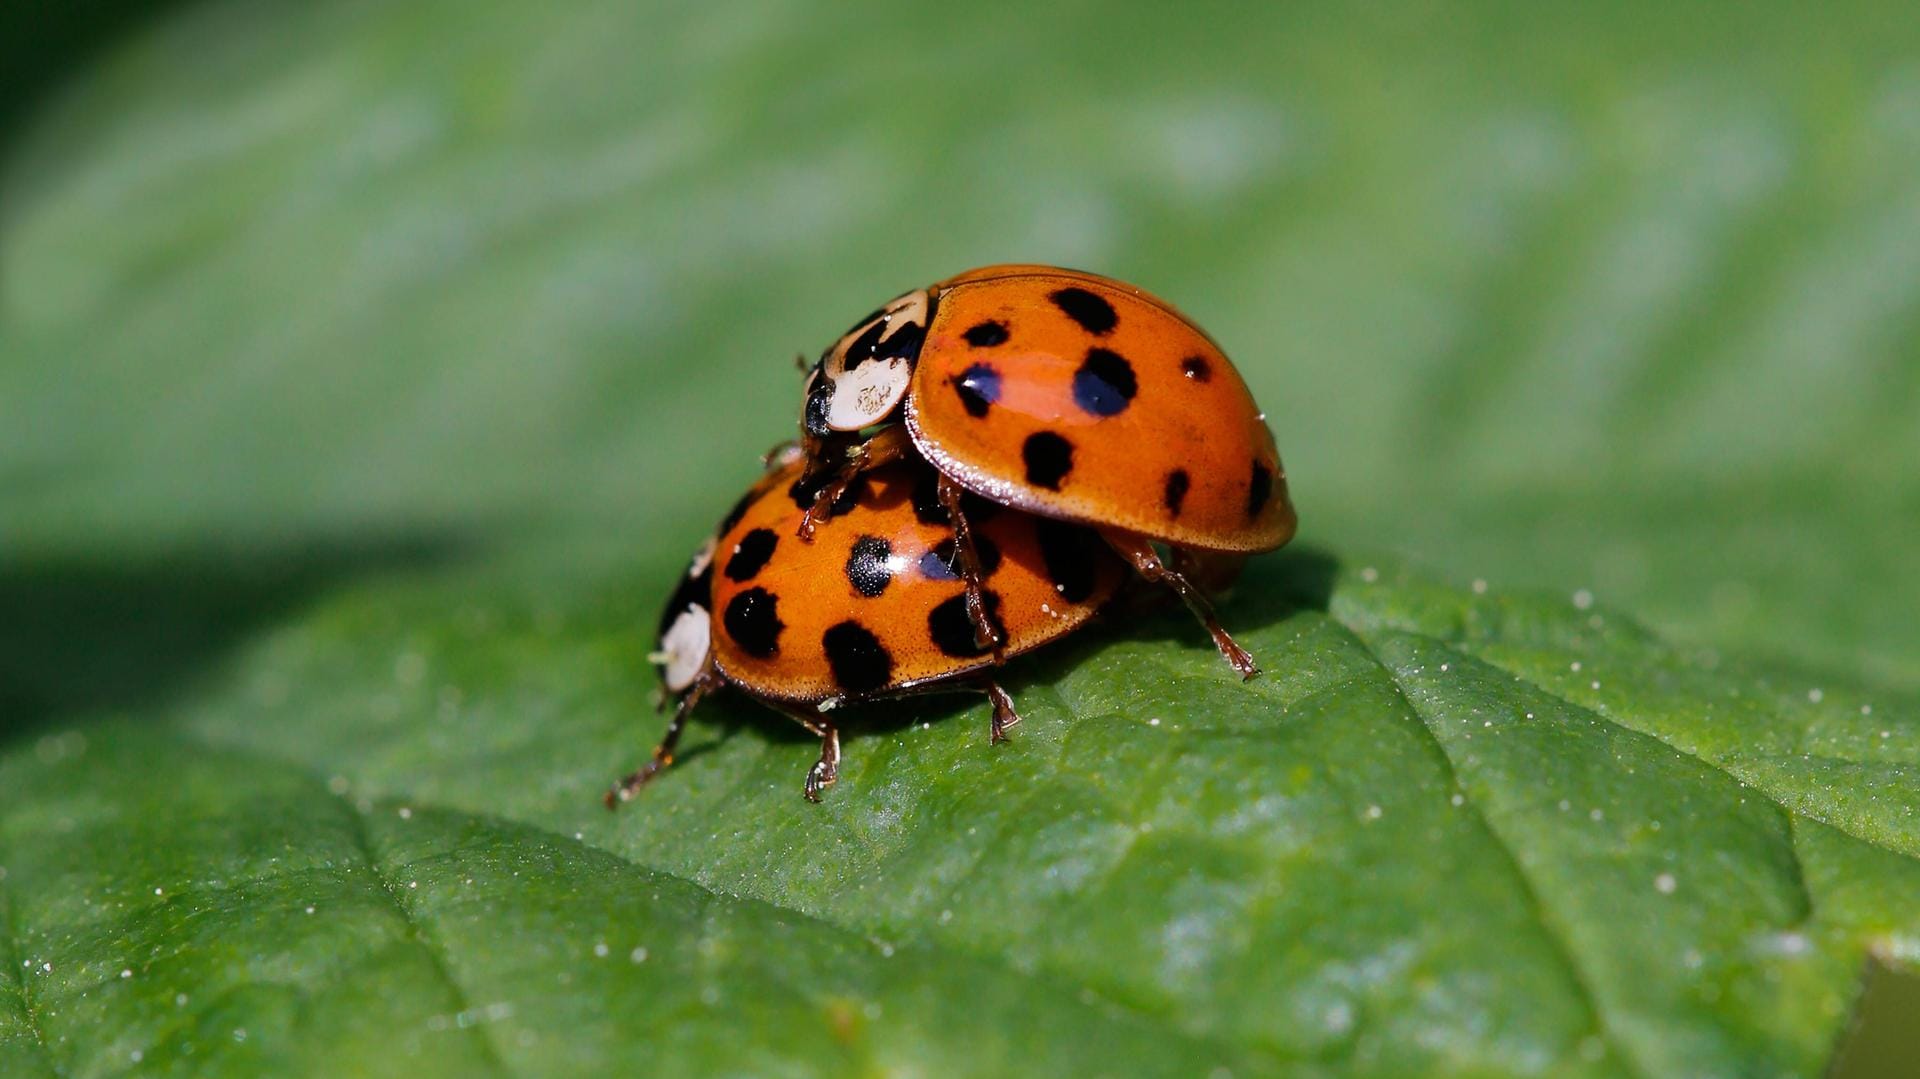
1069 395
874 607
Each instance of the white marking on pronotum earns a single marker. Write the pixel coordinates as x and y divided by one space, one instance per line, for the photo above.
683 647
865 395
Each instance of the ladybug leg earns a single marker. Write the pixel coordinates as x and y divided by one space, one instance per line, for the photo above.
1004 716
1139 552
1213 571
888 446
825 771
624 791
985 633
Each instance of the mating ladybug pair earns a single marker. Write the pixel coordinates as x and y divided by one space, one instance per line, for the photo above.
981 465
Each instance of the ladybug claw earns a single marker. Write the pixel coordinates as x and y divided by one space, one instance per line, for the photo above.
625 790
818 779
825 771
1005 718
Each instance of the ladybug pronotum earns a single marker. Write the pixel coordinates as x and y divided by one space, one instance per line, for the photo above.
1067 395
875 606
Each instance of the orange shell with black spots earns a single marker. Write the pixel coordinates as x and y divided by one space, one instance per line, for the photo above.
875 604
1083 398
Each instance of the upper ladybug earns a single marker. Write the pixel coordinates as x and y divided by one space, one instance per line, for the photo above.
1069 395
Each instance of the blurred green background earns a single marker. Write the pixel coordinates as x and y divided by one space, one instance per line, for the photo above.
1622 299
294 298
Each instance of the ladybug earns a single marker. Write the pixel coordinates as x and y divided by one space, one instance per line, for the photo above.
1068 395
874 607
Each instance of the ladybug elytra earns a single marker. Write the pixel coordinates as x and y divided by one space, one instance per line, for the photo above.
875 606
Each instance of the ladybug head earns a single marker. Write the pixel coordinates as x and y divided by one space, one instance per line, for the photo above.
862 378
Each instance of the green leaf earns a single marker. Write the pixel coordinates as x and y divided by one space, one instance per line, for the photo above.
1446 833
370 370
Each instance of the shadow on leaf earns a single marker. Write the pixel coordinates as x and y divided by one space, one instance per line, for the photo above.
86 635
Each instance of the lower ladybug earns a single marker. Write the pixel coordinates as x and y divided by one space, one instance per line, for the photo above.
1069 395
873 607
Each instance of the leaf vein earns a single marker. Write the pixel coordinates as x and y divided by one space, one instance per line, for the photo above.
1550 926
423 936
1756 783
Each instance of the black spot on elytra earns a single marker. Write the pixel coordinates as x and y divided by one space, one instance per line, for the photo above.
1259 489
928 510
860 663
1104 385
986 334
867 567
1177 484
804 492
1196 368
952 630
752 619
1094 314
1070 554
978 387
1048 457
942 563
751 553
